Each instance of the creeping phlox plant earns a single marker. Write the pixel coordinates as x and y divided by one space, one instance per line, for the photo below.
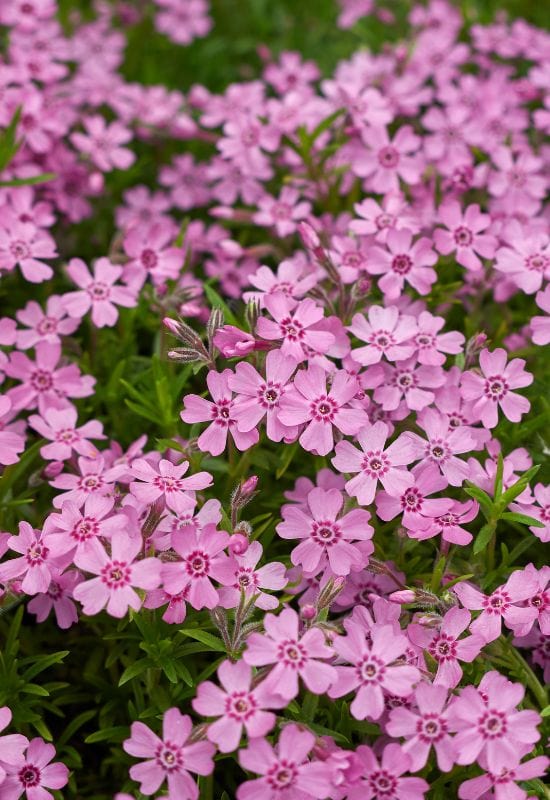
274 405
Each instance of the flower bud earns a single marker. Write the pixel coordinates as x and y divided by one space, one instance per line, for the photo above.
403 596
238 544
308 612
231 341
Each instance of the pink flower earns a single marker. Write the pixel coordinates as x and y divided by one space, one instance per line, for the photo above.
375 463
417 509
283 213
326 536
387 333
117 574
433 346
309 402
237 706
373 671
99 292
202 559
449 524
93 479
219 411
501 604
488 726
59 427
103 143
44 327
293 325
258 397
12 746
493 388
504 782
406 380
231 342
442 446
33 774
519 178
526 261
74 528
294 277
11 443
59 597
23 244
36 564
446 648
404 263
380 219
383 781
424 728
540 326
247 578
169 759
464 236
42 384
292 654
286 772
539 510
166 481
386 160
151 253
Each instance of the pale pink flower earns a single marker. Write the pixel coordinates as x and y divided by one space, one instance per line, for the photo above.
403 262
378 219
449 524
183 21
494 387
409 382
11 442
286 771
293 655
540 326
283 213
373 671
292 324
99 292
218 412
387 333
59 597
76 528
343 542
94 478
384 781
42 326
418 509
12 746
33 774
151 253
464 234
519 178
375 463
23 244
504 782
59 426
166 481
36 564
540 510
442 446
117 574
294 277
247 577
432 346
102 143
308 402
170 758
385 160
237 706
526 260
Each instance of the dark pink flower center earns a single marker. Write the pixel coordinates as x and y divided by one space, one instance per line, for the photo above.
292 654
240 706
167 485
412 500
29 776
41 380
149 258
383 784
402 264
47 325
85 529
169 757
36 554
281 775
381 339
388 157
492 724
116 574
220 412
431 728
197 564
291 329
90 483
325 533
269 394
384 221
281 211
375 463
463 236
324 408
537 263
370 669
438 450
443 648
67 435
496 387
20 250
98 291
497 603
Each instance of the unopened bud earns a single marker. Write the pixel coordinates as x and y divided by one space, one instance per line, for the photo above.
308 612
53 469
249 486
330 592
238 544
403 596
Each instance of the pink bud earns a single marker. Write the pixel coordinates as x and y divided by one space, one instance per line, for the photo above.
308 235
172 325
238 544
96 182
53 469
231 341
308 612
249 486
403 596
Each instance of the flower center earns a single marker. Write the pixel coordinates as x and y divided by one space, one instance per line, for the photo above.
20 250
197 564
402 264
149 258
47 325
291 329
324 409
412 500
370 669
98 291
443 648
116 574
388 157
85 529
37 554
29 776
463 236
169 757
325 533
41 380
492 725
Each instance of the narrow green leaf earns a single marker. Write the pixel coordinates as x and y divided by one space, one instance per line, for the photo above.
135 669
43 178
287 459
44 663
211 641
524 519
485 502
484 537
115 734
498 477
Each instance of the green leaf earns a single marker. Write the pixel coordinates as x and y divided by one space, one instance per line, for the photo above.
286 459
43 178
43 663
74 725
183 673
524 519
211 641
34 688
8 142
135 669
485 502
452 583
498 477
484 537
518 487
115 734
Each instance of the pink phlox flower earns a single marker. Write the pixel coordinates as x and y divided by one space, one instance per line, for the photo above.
403 262
406 381
384 161
184 514
514 463
44 384
258 397
283 213
503 783
292 325
183 22
60 428
290 72
325 479
501 604
449 132
37 564
373 671
117 574
170 758
425 727
12 745
293 655
22 207
375 463
415 504
233 342
378 219
350 256
540 601
33 774
294 277
432 347
176 604
309 402
342 541
537 642
237 705
151 253
202 559
449 524
251 579
244 141
11 442
59 597
383 780
487 724
42 326
525 259
286 771
165 482
103 143
77 527
519 178
442 446
494 387
218 412
23 244
387 333
540 326
98 292
362 588
538 510
142 207
449 400
464 234
93 479
446 647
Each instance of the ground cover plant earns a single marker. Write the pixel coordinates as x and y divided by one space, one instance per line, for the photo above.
274 400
